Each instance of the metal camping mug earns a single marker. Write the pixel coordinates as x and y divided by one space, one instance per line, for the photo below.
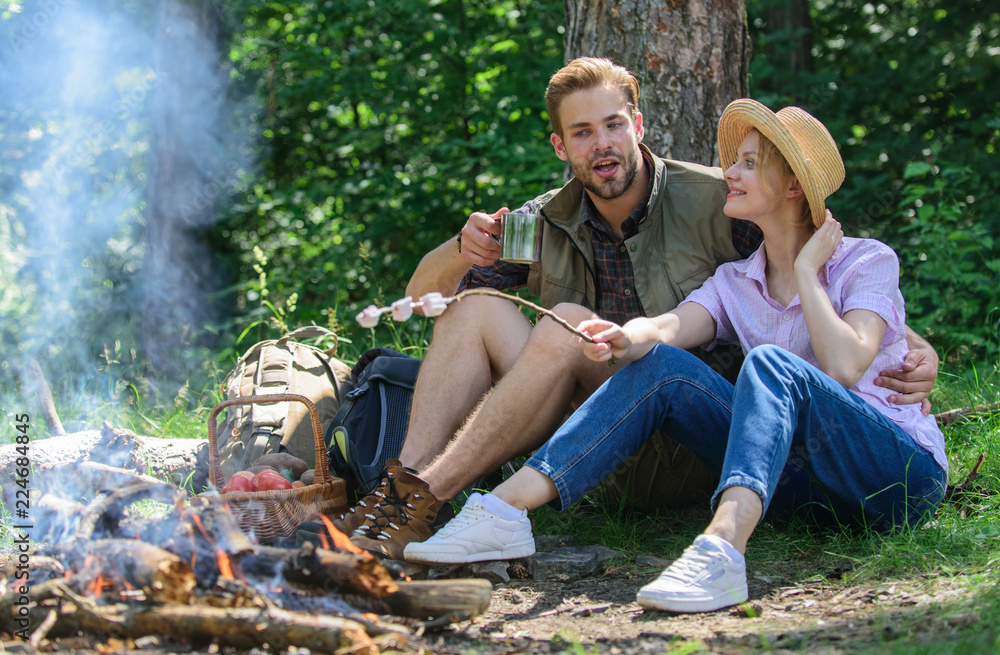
520 237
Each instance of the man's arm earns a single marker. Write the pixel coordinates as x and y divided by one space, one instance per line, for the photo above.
443 268
914 380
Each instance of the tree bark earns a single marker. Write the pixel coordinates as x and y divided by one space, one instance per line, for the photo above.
691 58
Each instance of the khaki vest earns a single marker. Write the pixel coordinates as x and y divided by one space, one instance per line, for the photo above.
684 238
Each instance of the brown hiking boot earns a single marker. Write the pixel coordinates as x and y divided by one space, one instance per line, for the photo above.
361 513
410 513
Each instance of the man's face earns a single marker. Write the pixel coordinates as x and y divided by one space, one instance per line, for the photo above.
600 141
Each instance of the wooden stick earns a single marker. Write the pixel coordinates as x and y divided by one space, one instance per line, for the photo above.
949 417
107 511
44 395
527 303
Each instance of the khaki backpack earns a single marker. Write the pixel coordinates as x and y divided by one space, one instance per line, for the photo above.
274 367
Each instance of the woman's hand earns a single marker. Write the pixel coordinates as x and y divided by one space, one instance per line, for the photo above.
610 340
820 246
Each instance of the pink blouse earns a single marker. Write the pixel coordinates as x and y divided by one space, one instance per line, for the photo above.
861 274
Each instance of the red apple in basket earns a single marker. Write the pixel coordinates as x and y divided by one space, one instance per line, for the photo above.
270 481
240 481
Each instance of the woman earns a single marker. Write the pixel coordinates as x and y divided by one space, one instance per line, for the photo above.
804 430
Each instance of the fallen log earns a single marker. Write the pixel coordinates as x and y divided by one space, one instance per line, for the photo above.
63 463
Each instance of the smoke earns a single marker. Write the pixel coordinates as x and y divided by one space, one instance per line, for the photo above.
117 146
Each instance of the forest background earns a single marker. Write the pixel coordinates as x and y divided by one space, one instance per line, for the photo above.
178 181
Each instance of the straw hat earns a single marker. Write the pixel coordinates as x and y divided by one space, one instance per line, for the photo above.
803 140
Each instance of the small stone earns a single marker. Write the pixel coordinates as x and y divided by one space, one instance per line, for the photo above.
604 554
652 562
564 564
495 571
548 543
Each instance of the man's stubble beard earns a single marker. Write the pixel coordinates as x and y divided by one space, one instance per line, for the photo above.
630 166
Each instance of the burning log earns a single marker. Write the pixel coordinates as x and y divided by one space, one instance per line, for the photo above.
219 527
322 569
208 537
366 584
129 564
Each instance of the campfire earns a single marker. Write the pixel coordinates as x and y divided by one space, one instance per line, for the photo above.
127 556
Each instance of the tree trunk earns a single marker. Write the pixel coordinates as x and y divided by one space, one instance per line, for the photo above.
789 36
691 58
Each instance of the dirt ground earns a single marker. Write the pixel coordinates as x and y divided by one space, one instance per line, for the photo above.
600 614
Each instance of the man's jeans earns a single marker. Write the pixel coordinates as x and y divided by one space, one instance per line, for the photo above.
787 430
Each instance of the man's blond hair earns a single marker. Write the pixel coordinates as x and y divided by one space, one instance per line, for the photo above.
586 73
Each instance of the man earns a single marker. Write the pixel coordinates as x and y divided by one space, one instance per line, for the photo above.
630 235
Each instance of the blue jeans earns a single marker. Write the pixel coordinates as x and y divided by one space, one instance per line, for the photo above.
786 430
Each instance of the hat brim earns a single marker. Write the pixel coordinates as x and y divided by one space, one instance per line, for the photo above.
744 115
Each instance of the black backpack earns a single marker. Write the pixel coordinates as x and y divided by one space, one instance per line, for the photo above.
371 424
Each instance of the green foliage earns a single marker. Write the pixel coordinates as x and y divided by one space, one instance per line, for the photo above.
383 126
949 261
905 89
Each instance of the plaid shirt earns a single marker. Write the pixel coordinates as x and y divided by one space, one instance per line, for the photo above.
617 300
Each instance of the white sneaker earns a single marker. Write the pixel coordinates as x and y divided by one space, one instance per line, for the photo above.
703 579
475 535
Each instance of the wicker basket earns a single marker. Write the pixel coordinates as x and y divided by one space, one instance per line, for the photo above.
275 515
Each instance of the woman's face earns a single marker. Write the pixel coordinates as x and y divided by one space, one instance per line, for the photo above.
753 192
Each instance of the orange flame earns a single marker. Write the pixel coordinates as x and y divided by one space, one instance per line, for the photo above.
96 588
224 567
197 522
340 539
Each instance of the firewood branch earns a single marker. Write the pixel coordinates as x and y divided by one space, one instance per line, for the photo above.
952 415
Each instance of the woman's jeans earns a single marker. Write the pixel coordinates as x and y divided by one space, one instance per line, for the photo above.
786 430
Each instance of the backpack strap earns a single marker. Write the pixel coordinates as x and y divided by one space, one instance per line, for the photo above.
273 376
